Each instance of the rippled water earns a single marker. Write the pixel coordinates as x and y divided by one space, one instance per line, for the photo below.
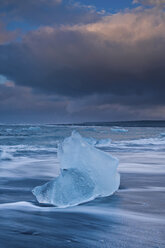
133 217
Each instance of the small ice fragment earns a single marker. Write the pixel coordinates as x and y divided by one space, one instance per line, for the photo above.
34 128
118 129
86 173
103 142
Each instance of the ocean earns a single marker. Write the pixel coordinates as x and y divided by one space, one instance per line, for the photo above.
133 217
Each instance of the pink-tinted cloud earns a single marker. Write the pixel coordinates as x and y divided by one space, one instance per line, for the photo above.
6 36
151 2
110 68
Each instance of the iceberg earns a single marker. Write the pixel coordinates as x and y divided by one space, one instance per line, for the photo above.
85 173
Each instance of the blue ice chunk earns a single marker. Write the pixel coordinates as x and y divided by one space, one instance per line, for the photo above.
86 173
70 188
120 130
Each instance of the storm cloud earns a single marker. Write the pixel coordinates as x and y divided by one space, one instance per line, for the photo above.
121 54
115 63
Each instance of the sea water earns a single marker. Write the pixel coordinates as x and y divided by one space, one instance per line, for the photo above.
132 217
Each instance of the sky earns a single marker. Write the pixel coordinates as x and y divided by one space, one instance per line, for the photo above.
67 61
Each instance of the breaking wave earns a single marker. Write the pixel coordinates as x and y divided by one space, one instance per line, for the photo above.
5 155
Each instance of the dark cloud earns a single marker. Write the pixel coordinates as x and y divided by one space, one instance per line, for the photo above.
109 69
121 55
20 104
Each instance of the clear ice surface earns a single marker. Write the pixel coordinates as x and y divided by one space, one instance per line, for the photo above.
86 173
